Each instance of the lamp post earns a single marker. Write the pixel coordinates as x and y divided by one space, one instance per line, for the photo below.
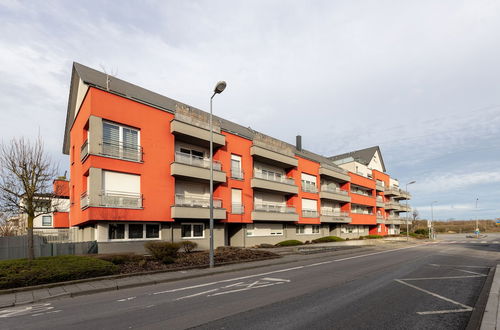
432 219
407 211
477 220
219 88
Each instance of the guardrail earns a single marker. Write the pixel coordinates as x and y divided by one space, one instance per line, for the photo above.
274 177
188 201
121 199
334 190
121 150
274 208
197 161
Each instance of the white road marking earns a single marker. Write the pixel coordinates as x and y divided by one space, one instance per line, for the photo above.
126 299
284 270
441 278
461 266
465 308
468 271
23 310
484 242
196 294
495 242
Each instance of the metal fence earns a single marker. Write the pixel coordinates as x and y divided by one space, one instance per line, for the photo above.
15 247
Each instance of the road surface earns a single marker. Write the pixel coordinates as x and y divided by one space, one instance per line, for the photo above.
397 286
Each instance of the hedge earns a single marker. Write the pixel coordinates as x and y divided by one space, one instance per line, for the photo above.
327 239
291 242
22 272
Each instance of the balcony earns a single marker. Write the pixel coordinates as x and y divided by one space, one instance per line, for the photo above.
404 194
332 216
273 157
308 187
190 166
196 134
380 202
114 199
274 182
120 150
310 214
237 173
395 221
237 208
273 212
380 219
380 185
392 191
84 150
334 172
187 207
392 206
334 194
404 208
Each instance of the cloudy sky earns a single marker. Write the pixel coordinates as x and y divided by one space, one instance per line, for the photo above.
421 79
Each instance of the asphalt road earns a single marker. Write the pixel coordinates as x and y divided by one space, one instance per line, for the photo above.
397 286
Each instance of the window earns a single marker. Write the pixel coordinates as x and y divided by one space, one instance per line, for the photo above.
135 231
121 190
192 230
237 207
116 231
236 171
300 229
120 141
274 229
308 182
307 229
315 229
152 231
46 221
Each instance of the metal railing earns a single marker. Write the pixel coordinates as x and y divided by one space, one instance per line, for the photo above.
197 161
309 213
361 192
121 150
84 200
236 173
308 187
334 168
380 199
274 177
333 213
237 208
274 208
84 150
334 190
188 201
121 199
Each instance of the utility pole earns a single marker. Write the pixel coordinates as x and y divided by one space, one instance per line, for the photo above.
477 220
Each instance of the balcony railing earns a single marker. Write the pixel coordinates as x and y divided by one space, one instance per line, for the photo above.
188 201
334 168
84 150
334 190
310 213
308 187
84 200
274 177
380 199
121 150
197 161
274 208
237 208
333 213
120 199
236 173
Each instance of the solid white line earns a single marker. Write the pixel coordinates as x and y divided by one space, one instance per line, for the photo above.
434 294
461 266
446 311
196 294
468 271
495 242
483 242
283 270
275 279
441 278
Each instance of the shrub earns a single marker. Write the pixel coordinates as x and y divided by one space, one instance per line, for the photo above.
266 246
163 251
22 272
290 242
422 232
120 258
327 239
188 246
371 236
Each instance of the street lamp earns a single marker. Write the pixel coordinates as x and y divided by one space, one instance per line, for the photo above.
219 88
432 218
477 220
407 212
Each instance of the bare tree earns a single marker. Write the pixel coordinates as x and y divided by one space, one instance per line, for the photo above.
26 175
7 228
415 214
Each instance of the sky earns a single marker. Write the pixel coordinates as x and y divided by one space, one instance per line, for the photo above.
420 79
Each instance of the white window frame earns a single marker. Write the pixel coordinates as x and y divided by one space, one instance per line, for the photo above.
192 231
51 220
120 139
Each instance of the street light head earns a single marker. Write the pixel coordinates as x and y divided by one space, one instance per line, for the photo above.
220 87
411 182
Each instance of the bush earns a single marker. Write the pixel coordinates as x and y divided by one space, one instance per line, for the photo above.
163 251
290 242
422 232
327 239
371 237
120 258
188 246
266 246
22 272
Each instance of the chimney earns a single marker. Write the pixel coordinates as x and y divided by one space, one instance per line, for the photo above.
298 143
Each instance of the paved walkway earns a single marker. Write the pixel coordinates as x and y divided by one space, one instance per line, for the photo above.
83 287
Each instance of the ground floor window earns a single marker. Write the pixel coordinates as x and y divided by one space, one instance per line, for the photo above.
46 221
349 229
315 229
307 229
272 229
193 230
133 231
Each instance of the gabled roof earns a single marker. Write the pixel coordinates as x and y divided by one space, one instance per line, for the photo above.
363 156
101 80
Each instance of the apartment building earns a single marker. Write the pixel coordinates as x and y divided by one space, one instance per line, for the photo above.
139 171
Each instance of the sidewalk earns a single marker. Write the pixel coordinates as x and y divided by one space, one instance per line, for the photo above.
22 296
491 316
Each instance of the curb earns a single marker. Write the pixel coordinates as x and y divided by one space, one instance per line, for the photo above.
491 316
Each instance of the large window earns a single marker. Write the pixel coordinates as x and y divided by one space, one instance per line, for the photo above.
193 230
47 221
271 229
120 141
307 229
236 171
133 231
121 190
